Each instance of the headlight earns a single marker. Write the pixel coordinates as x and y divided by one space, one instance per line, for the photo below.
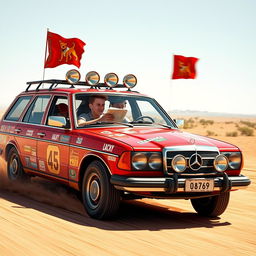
179 163
220 163
139 161
235 160
155 161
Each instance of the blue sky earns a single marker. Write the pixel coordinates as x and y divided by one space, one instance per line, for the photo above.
140 37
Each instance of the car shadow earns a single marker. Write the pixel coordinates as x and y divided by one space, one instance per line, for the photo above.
61 202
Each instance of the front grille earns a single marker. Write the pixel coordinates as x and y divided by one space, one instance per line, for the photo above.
207 155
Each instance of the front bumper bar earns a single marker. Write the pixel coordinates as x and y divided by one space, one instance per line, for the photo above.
174 184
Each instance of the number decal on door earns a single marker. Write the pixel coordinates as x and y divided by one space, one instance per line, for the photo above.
53 159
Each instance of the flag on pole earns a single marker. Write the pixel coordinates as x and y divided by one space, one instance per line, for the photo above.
63 51
184 67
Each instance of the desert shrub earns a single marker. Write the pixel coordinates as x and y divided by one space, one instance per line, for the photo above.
232 134
246 131
210 133
230 122
249 124
189 123
206 122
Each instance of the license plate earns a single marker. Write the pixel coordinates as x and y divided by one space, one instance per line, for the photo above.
196 185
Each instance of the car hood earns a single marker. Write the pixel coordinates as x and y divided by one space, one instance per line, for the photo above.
152 138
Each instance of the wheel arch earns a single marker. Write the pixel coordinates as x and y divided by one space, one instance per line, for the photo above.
8 148
85 163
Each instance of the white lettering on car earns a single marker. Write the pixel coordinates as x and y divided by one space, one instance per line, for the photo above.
108 147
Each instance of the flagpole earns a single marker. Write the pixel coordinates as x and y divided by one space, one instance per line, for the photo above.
45 52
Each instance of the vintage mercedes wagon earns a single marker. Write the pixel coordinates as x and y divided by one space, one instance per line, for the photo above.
140 153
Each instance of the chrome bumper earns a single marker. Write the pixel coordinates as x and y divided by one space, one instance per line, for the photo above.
174 184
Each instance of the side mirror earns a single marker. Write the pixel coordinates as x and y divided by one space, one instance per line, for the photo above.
58 121
179 123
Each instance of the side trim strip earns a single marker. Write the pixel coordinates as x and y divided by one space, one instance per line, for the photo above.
60 143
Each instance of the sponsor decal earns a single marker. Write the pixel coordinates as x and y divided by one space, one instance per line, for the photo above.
41 165
106 132
79 140
74 158
3 139
112 158
33 151
72 174
108 147
119 134
64 138
29 132
55 137
156 139
27 161
27 149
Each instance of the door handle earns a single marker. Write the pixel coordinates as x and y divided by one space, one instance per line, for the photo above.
41 134
17 130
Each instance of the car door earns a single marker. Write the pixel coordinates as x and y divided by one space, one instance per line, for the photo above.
27 131
53 142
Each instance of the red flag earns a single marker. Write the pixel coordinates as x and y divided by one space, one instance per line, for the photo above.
184 67
63 51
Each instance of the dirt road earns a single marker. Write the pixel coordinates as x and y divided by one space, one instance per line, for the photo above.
43 218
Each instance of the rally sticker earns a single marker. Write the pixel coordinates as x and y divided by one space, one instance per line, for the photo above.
79 140
41 165
74 158
29 132
53 159
55 137
108 147
156 139
72 174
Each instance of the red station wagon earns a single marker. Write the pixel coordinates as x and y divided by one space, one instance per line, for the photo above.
138 152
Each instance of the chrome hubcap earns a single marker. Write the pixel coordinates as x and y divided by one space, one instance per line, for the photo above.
14 166
94 190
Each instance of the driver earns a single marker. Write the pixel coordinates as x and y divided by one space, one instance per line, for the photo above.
96 105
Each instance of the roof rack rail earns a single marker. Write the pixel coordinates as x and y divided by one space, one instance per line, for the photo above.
54 83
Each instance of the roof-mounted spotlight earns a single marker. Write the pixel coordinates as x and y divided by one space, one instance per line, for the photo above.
130 81
111 80
73 76
92 78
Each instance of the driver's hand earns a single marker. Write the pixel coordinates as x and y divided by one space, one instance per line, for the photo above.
107 117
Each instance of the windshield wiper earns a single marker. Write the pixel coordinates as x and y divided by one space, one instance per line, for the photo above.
165 125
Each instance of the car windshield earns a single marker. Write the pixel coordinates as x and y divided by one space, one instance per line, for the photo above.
126 110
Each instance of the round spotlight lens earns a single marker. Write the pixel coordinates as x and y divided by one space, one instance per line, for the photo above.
92 78
139 161
111 80
179 163
220 163
73 76
235 160
155 161
130 81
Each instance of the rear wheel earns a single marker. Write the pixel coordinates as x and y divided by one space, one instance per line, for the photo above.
14 167
211 206
100 198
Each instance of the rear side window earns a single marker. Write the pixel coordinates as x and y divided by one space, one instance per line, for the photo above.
17 109
36 110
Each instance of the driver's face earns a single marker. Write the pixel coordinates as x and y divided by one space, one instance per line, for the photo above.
97 107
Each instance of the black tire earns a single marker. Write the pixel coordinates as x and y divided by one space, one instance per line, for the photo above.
211 206
100 199
14 167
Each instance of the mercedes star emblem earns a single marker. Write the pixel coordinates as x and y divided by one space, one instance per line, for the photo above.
195 162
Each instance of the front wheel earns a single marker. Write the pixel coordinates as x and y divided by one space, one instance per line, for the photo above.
14 167
100 198
211 206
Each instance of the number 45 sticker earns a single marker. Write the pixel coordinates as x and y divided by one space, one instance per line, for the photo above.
53 159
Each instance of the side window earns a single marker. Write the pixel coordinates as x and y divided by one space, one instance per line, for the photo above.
17 109
59 107
36 111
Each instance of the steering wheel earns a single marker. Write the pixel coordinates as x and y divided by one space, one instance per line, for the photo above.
142 117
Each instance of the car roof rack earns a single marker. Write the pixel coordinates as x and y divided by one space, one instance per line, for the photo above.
54 83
